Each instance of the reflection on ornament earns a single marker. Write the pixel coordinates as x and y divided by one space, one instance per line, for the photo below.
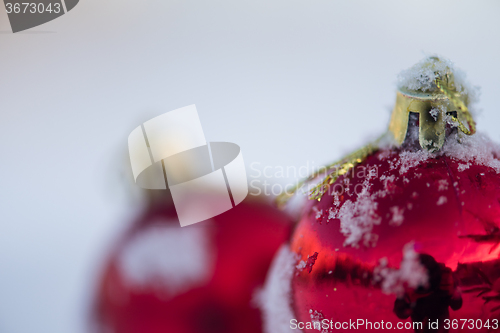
161 277
415 237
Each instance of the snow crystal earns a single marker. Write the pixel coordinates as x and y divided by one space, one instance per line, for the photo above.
387 180
477 149
397 216
442 200
384 154
450 121
421 77
411 273
171 258
347 186
301 265
442 185
332 213
434 113
275 297
408 160
463 167
336 200
319 213
317 318
358 218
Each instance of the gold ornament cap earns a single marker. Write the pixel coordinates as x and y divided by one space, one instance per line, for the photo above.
431 90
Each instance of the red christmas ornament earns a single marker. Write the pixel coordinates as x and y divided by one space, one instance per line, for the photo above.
196 279
404 232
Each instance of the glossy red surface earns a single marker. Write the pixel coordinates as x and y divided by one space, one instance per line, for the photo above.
460 231
244 241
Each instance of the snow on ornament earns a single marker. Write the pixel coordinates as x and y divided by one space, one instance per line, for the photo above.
405 231
161 277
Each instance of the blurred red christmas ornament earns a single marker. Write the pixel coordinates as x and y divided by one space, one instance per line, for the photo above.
405 232
201 278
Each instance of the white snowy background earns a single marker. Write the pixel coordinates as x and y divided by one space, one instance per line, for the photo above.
292 82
